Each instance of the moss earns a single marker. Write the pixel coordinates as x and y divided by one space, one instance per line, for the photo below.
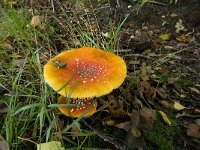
163 136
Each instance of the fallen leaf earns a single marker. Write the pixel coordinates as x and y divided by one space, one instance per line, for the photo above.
168 47
3 110
197 110
150 92
19 62
173 15
135 118
193 89
165 118
164 37
116 108
184 39
179 26
166 103
4 145
161 92
53 145
135 142
106 35
147 117
193 130
7 45
197 121
75 129
135 132
36 21
178 106
110 122
125 125
137 102
164 69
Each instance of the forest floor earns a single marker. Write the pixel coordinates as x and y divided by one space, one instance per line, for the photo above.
157 106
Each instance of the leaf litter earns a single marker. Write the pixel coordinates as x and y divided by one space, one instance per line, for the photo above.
160 87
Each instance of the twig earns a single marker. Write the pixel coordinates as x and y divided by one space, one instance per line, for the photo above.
122 50
25 139
187 115
104 137
52 5
158 3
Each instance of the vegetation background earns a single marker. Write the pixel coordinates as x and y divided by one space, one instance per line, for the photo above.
158 105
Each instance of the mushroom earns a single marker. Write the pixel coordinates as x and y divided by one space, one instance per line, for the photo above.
95 72
84 108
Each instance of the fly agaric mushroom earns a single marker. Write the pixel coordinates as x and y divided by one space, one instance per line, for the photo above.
96 71
84 108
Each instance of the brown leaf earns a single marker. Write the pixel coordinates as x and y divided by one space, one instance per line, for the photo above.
164 69
4 145
135 119
75 129
134 139
135 122
166 103
161 92
36 21
116 108
19 62
193 130
7 45
150 92
135 132
125 125
197 121
147 117
184 39
3 110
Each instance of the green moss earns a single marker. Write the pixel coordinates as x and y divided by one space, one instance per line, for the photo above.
163 136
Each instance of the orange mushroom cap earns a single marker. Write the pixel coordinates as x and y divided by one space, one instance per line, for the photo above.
97 72
86 108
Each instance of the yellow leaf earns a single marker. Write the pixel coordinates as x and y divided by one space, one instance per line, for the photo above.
164 36
165 118
178 106
36 20
53 145
110 122
193 89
